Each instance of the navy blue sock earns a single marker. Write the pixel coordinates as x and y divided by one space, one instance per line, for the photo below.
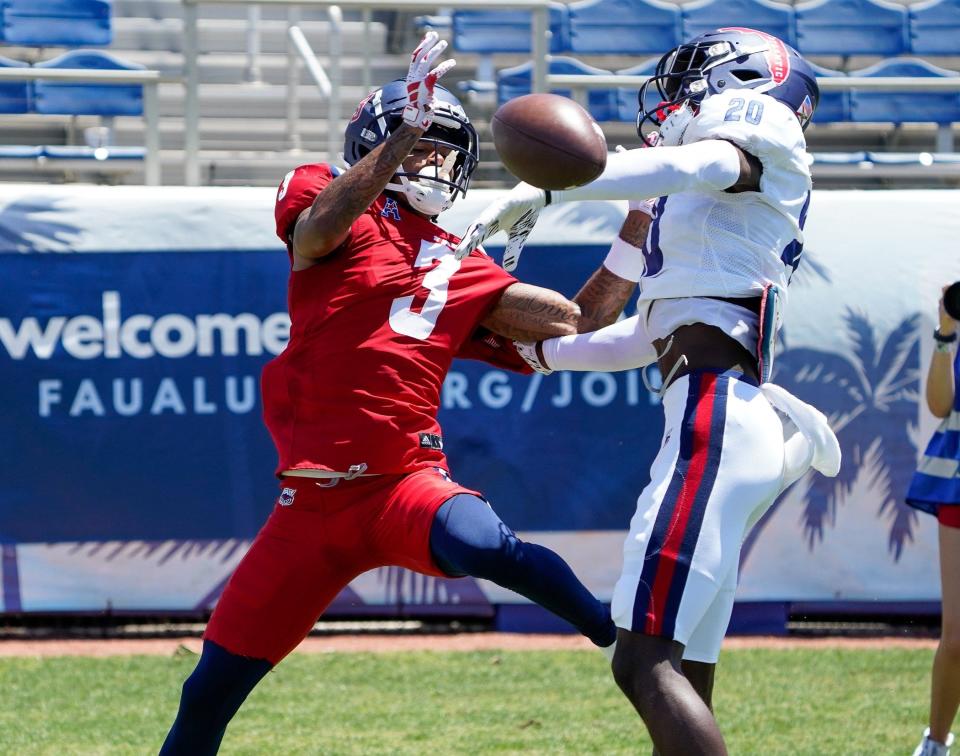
211 696
468 538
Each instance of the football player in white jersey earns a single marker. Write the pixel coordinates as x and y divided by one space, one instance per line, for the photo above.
731 184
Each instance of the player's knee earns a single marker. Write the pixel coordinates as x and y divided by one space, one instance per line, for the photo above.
196 691
642 671
638 684
495 562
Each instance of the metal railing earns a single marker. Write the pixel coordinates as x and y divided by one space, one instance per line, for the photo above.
330 89
299 50
151 102
539 45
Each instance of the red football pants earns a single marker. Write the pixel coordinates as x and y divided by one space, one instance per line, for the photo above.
312 547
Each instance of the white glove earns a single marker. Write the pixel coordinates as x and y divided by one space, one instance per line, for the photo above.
528 351
516 212
644 205
421 80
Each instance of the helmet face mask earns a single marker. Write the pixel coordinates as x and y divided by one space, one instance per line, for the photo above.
429 190
728 58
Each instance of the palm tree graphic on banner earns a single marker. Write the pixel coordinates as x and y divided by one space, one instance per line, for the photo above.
870 394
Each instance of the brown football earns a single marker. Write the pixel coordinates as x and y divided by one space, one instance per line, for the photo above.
549 141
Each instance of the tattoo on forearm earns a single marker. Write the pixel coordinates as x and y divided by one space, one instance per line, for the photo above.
351 194
635 227
528 313
602 299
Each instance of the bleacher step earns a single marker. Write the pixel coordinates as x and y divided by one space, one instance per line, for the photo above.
230 35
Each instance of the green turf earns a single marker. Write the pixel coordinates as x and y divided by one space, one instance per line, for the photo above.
768 702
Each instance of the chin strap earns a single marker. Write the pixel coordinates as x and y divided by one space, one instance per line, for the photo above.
424 193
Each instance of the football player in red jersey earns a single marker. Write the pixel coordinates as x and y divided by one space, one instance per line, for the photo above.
380 306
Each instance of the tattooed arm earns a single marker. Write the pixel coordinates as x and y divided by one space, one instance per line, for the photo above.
325 225
531 313
605 294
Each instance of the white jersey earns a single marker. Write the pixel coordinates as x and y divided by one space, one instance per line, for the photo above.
718 244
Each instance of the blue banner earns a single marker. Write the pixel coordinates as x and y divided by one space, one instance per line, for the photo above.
131 394
133 408
135 322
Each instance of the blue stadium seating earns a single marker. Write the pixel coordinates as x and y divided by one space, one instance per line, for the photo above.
45 23
514 82
851 27
627 103
774 18
624 27
505 31
935 28
834 107
88 98
904 107
15 96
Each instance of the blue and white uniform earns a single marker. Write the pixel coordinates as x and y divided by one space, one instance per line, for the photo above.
711 243
723 459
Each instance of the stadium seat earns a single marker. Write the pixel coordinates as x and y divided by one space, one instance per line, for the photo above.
627 103
44 23
834 106
15 96
88 98
506 31
935 28
905 107
774 18
624 27
851 27
514 82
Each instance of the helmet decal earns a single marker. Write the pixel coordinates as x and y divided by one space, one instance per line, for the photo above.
778 59
359 109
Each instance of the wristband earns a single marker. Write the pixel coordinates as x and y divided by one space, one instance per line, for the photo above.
944 347
944 339
625 260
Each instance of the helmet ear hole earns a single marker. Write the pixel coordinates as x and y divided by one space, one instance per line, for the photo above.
746 74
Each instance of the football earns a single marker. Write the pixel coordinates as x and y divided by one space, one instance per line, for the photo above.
549 141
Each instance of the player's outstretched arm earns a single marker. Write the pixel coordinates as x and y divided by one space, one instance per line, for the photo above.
530 313
605 294
325 225
607 345
708 165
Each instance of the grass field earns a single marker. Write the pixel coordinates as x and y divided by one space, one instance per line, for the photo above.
803 701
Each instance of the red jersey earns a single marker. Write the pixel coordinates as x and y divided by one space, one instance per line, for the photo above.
375 327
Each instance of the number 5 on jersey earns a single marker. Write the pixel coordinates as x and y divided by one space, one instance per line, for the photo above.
419 325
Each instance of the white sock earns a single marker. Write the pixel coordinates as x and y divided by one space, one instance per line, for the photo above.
608 651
